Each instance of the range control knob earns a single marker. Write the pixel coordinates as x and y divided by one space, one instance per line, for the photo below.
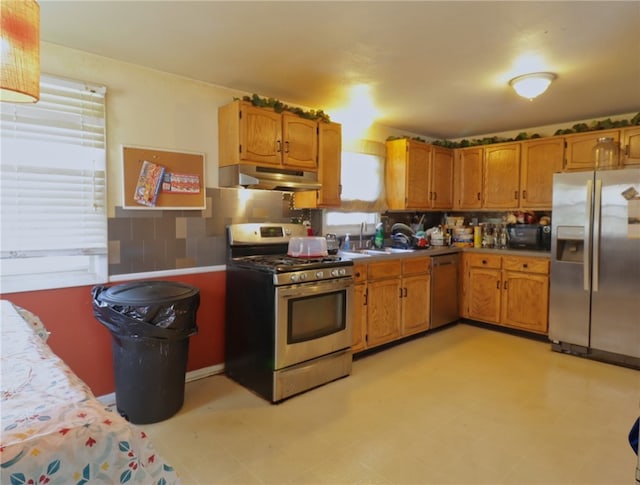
319 275
303 276
294 277
335 272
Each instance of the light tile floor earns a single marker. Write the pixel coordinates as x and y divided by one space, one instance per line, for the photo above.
464 405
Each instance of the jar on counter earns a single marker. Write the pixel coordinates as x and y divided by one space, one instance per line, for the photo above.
477 236
606 153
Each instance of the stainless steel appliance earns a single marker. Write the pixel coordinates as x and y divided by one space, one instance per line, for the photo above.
444 289
595 265
528 236
288 320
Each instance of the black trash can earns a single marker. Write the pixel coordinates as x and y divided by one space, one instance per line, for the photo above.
150 324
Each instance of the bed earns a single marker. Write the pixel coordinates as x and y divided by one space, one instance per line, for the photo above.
54 430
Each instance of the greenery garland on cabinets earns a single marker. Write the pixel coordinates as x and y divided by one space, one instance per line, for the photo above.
279 107
577 128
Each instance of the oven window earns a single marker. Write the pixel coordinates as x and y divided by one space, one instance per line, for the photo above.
313 317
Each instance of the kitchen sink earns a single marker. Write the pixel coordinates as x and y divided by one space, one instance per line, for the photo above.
360 253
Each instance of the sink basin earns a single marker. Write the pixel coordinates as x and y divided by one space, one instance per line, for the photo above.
388 251
360 253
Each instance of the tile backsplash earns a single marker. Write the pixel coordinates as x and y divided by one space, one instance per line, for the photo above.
142 240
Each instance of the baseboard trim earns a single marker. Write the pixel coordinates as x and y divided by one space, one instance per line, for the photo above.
194 375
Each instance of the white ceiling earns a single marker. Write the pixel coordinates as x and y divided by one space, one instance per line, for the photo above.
439 69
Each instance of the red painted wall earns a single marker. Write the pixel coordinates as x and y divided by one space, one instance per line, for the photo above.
85 344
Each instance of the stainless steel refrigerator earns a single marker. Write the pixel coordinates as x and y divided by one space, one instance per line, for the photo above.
595 265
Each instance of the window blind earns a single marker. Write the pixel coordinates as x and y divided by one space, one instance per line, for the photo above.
53 179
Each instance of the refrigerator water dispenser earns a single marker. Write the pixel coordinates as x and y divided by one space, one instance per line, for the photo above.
570 244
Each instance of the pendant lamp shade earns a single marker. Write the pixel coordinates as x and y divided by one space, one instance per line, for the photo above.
20 43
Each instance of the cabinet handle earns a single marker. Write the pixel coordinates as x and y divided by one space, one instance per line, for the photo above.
286 147
366 297
627 150
505 285
524 194
406 292
498 284
401 291
435 196
478 195
278 146
515 196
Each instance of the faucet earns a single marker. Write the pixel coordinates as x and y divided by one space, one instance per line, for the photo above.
363 228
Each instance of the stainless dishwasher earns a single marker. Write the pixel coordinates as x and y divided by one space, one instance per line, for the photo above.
444 289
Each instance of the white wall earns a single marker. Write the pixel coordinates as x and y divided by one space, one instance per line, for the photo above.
158 110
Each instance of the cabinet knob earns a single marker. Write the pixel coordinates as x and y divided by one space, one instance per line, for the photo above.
484 261
525 265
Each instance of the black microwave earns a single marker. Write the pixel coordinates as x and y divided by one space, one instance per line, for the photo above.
529 236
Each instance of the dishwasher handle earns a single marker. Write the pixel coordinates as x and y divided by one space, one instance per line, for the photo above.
444 260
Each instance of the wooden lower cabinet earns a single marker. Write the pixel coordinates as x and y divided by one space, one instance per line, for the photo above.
512 291
525 293
359 322
383 311
392 299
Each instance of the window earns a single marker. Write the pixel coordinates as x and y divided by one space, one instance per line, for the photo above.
363 196
53 198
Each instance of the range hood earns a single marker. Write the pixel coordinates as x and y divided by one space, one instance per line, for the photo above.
268 178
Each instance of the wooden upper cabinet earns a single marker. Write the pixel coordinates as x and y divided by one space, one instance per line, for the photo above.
501 176
579 149
299 141
630 146
249 134
329 170
468 178
540 159
441 190
407 174
330 164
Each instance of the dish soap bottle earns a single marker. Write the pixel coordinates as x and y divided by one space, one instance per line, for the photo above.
378 240
346 245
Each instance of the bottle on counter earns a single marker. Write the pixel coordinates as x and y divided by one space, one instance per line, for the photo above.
477 236
346 244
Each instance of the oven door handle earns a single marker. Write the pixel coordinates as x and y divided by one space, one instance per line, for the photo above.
312 288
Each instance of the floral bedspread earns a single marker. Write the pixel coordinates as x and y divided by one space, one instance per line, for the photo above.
54 431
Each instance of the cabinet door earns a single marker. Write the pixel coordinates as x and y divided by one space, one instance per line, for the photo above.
501 176
383 311
359 323
417 182
540 159
260 136
468 178
415 303
579 149
483 295
441 193
631 146
407 174
299 142
329 164
525 301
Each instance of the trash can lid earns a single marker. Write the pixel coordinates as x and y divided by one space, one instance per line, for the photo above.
143 293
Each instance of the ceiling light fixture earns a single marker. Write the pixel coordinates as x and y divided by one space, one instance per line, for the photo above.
20 57
532 85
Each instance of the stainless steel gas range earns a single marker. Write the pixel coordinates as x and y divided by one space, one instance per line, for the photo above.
288 320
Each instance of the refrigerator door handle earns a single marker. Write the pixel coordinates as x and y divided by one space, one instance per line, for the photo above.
586 270
597 206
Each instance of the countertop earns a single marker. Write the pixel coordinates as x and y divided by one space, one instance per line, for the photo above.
441 250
